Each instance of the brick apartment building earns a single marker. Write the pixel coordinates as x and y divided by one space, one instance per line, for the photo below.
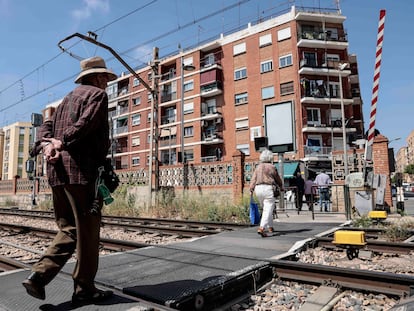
294 58
14 148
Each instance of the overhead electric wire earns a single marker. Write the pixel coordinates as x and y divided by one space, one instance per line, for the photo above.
54 57
237 4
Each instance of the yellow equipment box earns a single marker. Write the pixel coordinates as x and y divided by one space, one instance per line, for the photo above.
345 237
377 214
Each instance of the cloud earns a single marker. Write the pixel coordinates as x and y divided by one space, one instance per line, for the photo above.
142 54
90 7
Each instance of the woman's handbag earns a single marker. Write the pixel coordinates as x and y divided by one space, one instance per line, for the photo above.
254 212
276 191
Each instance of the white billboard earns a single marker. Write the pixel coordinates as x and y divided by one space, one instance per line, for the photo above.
280 127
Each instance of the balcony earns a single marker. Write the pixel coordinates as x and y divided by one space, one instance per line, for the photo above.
120 130
317 153
119 111
308 67
211 138
211 89
209 159
323 39
167 119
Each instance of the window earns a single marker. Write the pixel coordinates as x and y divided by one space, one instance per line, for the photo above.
149 138
189 155
188 85
265 40
149 76
188 131
240 73
283 34
268 92
239 48
135 161
336 117
255 132
334 91
188 108
136 119
314 141
310 59
149 117
266 66
135 82
188 61
314 116
149 94
331 33
286 88
136 101
240 98
135 141
209 60
285 61
242 124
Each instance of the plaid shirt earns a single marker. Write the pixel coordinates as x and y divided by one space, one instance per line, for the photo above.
81 123
265 174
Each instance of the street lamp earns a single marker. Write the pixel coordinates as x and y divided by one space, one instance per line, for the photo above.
342 67
183 68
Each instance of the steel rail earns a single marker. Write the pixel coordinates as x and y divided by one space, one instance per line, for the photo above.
9 264
375 246
364 280
145 222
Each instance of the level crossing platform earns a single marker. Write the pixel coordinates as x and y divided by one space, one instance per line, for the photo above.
200 274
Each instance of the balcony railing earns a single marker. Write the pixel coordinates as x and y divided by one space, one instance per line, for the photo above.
120 130
120 110
320 34
317 151
167 119
209 159
211 89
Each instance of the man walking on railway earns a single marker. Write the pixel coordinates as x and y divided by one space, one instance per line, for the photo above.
75 143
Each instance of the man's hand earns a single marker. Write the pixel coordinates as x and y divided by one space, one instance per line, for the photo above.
57 144
51 149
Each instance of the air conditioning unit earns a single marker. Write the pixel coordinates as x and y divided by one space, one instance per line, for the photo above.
218 121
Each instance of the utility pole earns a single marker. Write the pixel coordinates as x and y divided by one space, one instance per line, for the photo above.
154 98
153 155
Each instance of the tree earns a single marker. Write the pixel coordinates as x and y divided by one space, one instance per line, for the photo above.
409 169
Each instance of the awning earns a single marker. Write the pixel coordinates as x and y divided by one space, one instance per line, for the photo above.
170 131
289 169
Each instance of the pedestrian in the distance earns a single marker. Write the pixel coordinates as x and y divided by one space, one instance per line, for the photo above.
75 143
264 181
310 191
323 181
300 190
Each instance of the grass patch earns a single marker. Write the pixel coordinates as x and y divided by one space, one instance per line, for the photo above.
197 207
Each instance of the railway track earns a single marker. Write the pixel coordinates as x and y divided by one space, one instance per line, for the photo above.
109 244
362 280
184 228
9 264
393 284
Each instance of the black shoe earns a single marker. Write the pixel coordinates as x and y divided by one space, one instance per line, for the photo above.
34 286
84 298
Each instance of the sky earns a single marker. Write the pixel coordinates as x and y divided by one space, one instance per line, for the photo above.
35 72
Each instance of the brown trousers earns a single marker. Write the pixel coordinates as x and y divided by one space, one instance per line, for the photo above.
78 229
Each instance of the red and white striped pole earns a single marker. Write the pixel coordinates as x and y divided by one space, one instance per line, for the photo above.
371 130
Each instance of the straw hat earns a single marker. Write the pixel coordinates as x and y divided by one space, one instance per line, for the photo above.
94 65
